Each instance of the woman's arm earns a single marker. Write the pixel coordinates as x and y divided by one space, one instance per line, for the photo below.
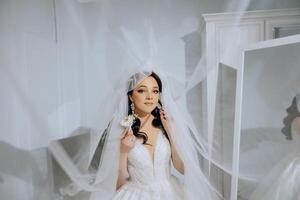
122 169
177 162
127 143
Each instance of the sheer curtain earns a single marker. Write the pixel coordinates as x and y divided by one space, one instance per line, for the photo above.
56 58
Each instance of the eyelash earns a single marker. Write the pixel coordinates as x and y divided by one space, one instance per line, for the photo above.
155 91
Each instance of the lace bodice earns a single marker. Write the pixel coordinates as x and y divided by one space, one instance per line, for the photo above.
150 179
142 168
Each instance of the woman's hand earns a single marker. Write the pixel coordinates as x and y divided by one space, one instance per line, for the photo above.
126 144
164 120
127 141
177 162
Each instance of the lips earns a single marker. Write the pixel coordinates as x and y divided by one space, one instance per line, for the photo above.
148 104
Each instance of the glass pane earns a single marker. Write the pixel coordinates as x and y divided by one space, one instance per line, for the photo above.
270 83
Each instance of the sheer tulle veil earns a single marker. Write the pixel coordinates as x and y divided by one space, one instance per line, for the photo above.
106 130
188 143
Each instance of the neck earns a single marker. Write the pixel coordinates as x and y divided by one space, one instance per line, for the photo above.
141 114
144 117
145 120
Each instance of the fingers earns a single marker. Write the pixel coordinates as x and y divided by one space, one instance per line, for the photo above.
129 132
129 141
125 133
131 138
163 114
128 135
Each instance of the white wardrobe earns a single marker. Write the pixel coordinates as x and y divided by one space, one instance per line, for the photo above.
224 37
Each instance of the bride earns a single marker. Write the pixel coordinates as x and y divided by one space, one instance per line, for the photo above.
147 151
147 147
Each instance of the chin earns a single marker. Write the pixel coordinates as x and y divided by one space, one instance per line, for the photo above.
148 110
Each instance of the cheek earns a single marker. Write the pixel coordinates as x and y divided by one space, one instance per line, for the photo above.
296 124
156 98
139 98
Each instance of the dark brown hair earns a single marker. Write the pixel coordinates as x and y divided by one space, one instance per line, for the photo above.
292 113
156 113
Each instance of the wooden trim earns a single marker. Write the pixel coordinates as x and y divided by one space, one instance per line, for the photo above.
251 14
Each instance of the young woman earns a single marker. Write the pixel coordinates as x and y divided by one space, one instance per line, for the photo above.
147 147
136 162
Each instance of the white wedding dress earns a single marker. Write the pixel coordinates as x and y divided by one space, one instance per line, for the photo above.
282 183
150 180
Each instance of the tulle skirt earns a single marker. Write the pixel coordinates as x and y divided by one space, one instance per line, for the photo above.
169 189
282 183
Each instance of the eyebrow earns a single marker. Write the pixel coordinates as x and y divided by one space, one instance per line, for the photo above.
146 86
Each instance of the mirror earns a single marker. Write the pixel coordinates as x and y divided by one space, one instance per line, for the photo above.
271 81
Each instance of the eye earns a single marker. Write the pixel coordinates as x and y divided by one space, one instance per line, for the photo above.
156 91
140 91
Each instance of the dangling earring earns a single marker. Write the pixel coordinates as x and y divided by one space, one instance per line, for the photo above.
132 108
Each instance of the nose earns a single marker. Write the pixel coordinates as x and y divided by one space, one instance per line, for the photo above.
148 95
